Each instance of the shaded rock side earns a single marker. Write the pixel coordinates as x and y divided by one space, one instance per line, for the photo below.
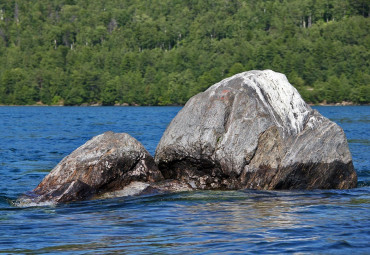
106 163
253 130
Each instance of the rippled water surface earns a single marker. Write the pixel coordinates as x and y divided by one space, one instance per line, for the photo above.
34 139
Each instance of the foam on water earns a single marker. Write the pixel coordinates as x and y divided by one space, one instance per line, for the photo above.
24 202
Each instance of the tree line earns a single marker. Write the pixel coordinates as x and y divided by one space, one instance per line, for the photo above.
162 52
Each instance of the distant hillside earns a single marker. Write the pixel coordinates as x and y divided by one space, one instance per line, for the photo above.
161 52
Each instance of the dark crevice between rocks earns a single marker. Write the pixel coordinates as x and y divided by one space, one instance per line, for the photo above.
243 174
123 175
198 173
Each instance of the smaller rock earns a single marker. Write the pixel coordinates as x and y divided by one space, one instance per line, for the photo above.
108 162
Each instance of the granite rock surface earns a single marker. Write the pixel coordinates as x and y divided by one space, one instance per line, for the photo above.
106 163
250 131
253 130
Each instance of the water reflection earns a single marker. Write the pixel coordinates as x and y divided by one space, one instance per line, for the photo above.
202 221
241 217
246 218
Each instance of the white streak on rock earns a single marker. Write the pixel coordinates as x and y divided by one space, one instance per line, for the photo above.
281 98
313 122
278 95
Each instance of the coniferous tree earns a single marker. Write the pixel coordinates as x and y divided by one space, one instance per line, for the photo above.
156 52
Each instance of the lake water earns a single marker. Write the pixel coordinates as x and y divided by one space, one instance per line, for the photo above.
34 139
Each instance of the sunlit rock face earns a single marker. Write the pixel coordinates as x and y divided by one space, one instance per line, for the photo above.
253 130
106 163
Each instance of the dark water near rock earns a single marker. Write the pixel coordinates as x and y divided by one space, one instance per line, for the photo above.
34 139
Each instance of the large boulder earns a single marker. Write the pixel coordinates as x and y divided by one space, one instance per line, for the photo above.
106 163
253 130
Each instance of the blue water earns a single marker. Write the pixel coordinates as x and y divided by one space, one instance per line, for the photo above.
34 139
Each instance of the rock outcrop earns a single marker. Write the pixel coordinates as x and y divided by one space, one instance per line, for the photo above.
106 163
253 130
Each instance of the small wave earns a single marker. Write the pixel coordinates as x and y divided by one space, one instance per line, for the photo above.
340 244
350 120
363 173
359 141
5 200
30 200
24 202
364 183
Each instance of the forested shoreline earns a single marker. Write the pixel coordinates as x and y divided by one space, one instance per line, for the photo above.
162 52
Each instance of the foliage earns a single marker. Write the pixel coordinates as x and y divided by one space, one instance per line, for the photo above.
161 52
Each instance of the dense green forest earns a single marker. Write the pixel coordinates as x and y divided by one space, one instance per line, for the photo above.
161 52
